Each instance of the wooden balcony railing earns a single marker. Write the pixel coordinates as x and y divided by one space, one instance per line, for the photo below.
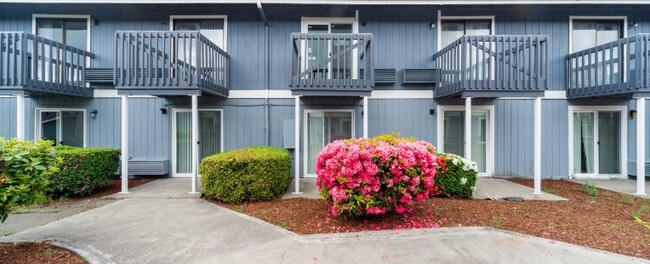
618 68
493 66
32 64
331 64
170 63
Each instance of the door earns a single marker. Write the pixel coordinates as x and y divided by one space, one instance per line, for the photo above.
342 64
597 144
64 128
453 136
210 124
587 33
324 127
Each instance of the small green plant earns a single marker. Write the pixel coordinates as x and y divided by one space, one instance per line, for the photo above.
525 208
264 211
49 252
627 200
643 223
590 189
284 224
497 221
643 210
549 190
240 209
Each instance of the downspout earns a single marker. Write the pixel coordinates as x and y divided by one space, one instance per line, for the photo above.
267 110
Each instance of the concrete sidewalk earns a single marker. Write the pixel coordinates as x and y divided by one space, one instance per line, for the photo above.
149 229
624 186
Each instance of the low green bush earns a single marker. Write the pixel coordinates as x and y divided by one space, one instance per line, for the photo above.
246 175
25 168
456 176
83 170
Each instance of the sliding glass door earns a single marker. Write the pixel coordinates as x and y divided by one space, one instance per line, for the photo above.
324 127
597 143
64 128
209 138
454 136
329 59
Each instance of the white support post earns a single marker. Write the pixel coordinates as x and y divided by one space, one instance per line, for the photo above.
195 142
296 148
468 128
640 146
125 144
365 116
537 146
20 117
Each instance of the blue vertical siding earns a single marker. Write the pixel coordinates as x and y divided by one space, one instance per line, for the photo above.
555 131
410 117
7 117
513 153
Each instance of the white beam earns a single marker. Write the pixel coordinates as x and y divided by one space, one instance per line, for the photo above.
20 117
195 142
296 147
125 144
365 116
640 146
537 146
468 128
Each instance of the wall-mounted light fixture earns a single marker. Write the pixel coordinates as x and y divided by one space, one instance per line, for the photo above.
634 24
432 25
95 22
633 114
432 111
93 113
363 23
163 111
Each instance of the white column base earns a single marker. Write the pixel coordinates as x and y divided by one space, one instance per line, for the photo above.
640 146
125 144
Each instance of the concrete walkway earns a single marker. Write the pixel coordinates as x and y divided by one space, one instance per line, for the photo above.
154 227
620 186
486 188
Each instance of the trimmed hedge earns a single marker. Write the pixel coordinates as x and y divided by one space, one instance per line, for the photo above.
246 175
456 176
83 170
25 167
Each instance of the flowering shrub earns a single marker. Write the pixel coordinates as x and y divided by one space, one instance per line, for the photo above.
456 176
375 176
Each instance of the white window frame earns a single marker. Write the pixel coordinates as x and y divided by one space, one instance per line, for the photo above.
67 16
305 21
38 128
440 119
441 18
623 158
173 136
225 24
306 133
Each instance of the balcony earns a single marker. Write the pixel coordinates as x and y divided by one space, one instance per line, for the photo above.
615 69
32 65
169 63
493 66
325 64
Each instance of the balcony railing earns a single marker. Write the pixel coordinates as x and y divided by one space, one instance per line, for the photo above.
169 63
615 69
331 64
493 66
30 64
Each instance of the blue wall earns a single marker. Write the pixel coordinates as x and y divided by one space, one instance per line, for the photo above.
7 117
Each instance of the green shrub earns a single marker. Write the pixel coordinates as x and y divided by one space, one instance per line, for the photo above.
456 176
590 189
83 170
25 168
246 175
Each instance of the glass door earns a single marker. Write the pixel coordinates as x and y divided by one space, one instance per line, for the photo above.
64 128
329 59
324 127
454 136
209 138
596 143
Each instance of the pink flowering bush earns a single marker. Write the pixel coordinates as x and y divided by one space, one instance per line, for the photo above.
376 176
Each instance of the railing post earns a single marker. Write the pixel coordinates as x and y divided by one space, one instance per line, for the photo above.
24 58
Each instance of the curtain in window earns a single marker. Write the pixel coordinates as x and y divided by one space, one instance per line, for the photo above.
609 138
454 132
583 142
72 128
183 142
315 138
479 140
210 133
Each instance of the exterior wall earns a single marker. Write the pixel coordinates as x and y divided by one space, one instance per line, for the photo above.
7 117
631 136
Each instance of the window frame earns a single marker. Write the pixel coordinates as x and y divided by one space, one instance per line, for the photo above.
35 17
174 149
594 18
38 128
442 18
200 17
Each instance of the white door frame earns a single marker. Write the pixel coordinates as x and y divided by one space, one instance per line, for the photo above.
38 128
440 118
306 133
306 21
623 158
173 136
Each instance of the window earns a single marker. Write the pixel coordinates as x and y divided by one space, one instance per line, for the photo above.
213 29
324 127
453 29
210 136
329 58
63 127
69 31
590 33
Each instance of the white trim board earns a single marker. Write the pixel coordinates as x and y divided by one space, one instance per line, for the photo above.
489 168
623 141
225 24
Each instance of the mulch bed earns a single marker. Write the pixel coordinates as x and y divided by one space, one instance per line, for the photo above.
603 222
35 253
114 187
